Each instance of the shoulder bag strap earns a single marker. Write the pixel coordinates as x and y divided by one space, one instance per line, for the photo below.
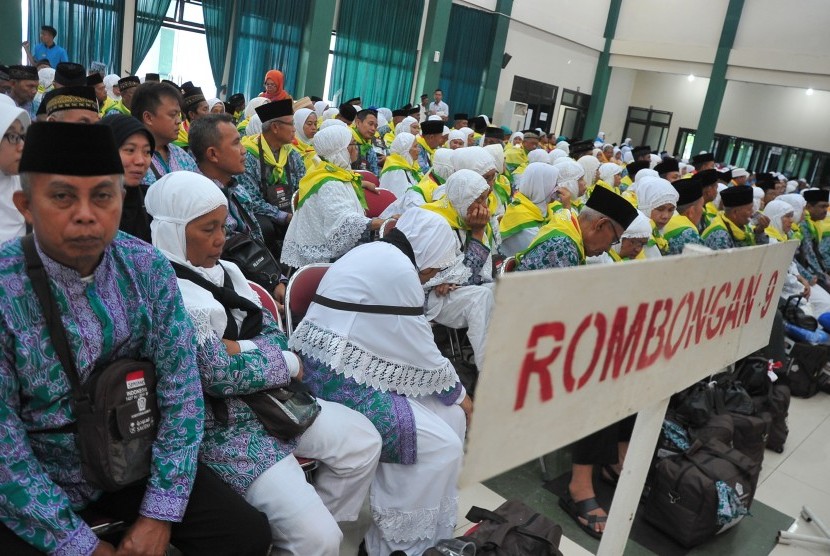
51 312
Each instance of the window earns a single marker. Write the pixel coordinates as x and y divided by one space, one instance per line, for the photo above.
647 127
179 52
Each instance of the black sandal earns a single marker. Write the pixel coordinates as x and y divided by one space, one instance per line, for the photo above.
579 511
609 475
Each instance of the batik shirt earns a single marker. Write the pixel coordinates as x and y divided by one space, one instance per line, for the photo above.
130 307
556 252
240 210
179 159
810 251
249 181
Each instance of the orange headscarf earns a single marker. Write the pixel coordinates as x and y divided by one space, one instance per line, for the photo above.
279 79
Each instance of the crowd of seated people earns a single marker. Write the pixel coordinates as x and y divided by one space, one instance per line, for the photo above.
157 212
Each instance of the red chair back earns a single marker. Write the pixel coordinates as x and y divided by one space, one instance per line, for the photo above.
301 289
368 176
268 302
377 201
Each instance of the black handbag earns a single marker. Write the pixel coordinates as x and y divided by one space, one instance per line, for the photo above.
116 411
795 315
254 260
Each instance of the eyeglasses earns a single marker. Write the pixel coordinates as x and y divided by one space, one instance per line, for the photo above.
617 238
14 138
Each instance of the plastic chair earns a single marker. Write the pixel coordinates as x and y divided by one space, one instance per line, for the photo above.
295 198
301 289
387 226
369 177
268 303
508 265
377 201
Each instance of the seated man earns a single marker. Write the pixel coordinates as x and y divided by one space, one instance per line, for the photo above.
431 138
364 128
120 300
730 228
815 245
75 104
194 106
126 86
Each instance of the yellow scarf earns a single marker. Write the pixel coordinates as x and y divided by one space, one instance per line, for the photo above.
721 222
608 186
427 186
515 159
502 189
243 125
443 207
323 173
677 225
658 240
618 259
422 142
521 214
363 145
183 140
306 150
253 144
109 103
561 224
774 233
120 107
631 197
396 161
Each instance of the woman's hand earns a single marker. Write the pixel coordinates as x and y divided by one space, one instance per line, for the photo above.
231 346
467 406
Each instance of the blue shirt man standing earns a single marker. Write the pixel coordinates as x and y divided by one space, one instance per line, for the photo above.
46 48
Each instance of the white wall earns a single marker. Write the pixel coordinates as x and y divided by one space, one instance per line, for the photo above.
617 101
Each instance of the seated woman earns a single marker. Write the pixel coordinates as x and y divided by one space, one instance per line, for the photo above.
631 245
305 127
529 209
241 351
331 211
366 343
401 171
135 145
657 199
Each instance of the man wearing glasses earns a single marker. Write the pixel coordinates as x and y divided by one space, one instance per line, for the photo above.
13 121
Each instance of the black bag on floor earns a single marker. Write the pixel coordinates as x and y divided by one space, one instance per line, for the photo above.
513 529
777 404
750 438
719 427
694 405
807 362
684 501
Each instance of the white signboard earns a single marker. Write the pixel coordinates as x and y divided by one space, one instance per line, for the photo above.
570 351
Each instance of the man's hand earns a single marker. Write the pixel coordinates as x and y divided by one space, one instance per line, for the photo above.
444 289
104 549
763 222
25 44
147 537
231 346
467 406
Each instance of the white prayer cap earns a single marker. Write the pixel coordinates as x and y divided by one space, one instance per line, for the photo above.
434 118
640 228
739 173
475 159
332 144
653 192
464 187
564 146
253 104
457 135
497 152
538 155
442 163
608 170
175 200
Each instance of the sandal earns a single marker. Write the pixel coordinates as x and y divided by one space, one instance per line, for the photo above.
609 475
579 511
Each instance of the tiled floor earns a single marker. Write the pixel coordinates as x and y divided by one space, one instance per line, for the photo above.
800 476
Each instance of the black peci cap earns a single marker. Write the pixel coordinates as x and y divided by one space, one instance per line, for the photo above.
74 150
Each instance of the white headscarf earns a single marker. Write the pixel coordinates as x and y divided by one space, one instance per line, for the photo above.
12 223
405 125
253 104
329 114
111 81
464 187
564 146
758 197
569 173
254 126
654 161
401 145
46 76
797 202
385 352
467 133
607 172
320 107
332 145
330 123
538 155
556 154
175 200
591 165
538 184
9 113
627 156
474 158
775 211
300 117
213 102
653 192
442 163
792 186
640 176
386 113
717 202
497 152
514 135
640 228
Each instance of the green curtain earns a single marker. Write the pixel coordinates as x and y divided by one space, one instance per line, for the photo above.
375 51
89 30
269 35
218 16
466 57
148 18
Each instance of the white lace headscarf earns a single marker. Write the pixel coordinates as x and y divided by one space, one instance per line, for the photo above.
468 132
332 145
640 176
474 158
607 172
401 145
797 202
46 76
111 81
653 192
514 135
394 353
442 163
775 211
497 152
538 155
539 183
569 173
405 125
463 188
300 117
640 228
591 164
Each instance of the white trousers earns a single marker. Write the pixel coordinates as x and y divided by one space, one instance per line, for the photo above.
413 506
468 306
304 520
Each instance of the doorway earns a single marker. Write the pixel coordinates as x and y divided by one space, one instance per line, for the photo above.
540 99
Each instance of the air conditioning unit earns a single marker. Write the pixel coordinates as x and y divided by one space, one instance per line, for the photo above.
513 115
